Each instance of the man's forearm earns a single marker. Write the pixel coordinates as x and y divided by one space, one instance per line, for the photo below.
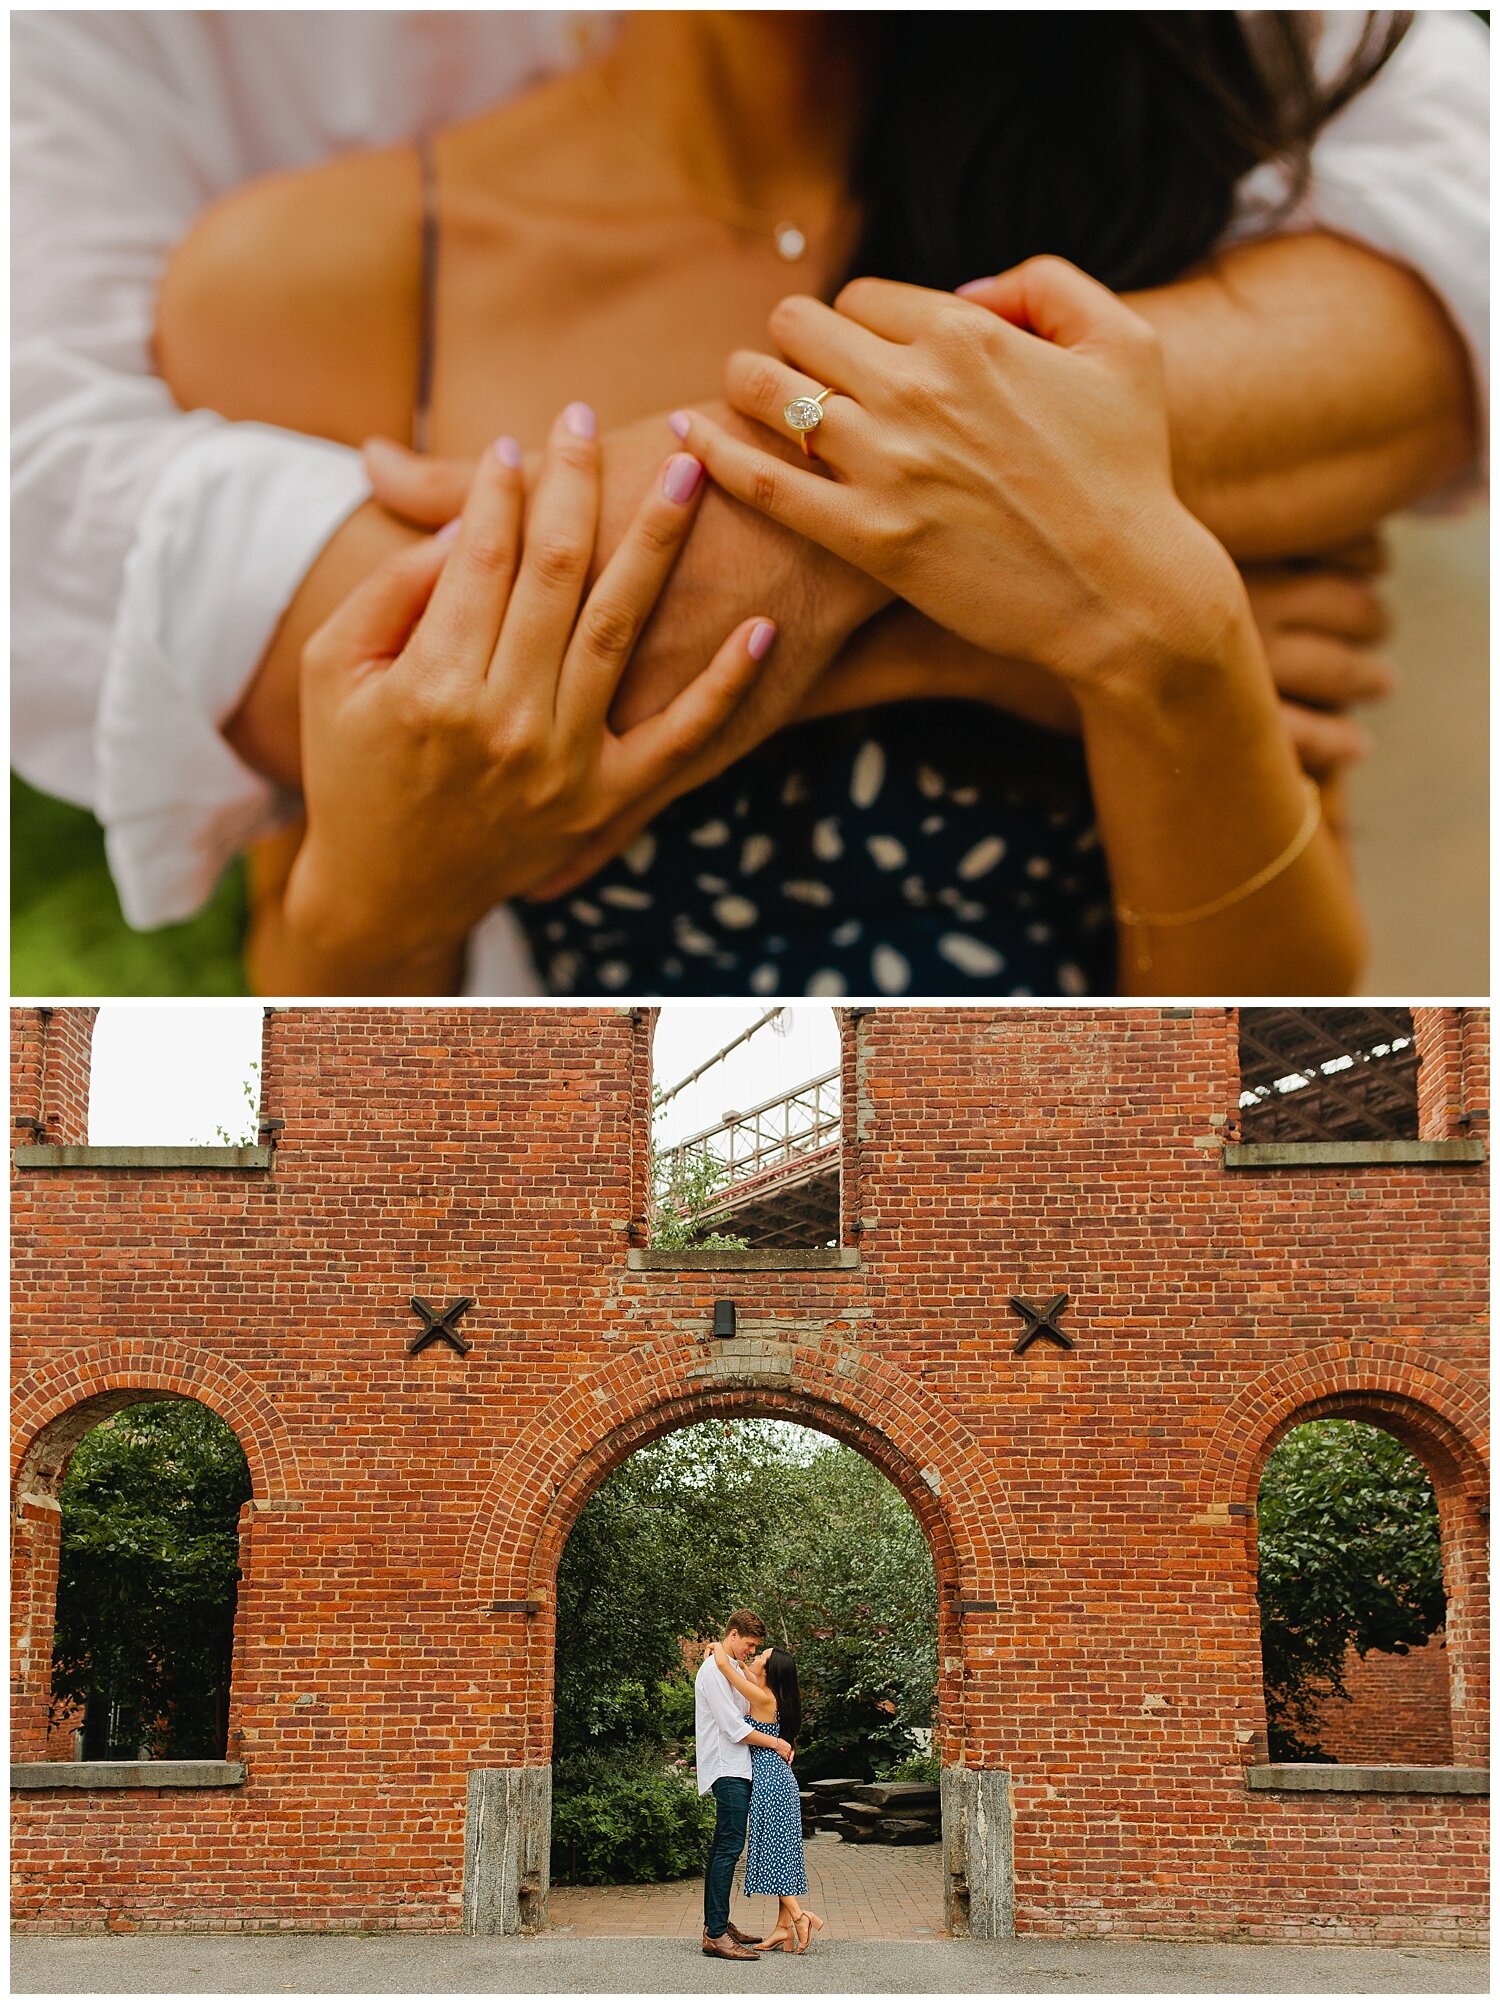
735 563
1312 387
265 729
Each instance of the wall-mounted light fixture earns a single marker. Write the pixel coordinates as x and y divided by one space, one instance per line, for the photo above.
723 1318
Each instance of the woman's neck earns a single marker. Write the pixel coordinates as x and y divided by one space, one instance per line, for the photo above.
754 109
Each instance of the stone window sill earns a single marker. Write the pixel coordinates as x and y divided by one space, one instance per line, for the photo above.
1353 1780
127 1774
1345 1154
141 1158
744 1259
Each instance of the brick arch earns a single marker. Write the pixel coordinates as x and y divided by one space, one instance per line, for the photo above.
1431 1408
52 1411
1442 1418
531 1506
533 1501
54 1408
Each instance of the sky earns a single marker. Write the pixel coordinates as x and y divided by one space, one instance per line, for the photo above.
768 1065
166 1074
163 1076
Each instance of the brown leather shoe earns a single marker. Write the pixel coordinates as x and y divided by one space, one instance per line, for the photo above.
744 1940
729 1949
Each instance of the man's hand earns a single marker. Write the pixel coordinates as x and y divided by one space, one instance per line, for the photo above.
735 554
786 1750
1322 621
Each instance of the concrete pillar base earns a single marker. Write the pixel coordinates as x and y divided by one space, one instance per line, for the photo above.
507 1842
978 1854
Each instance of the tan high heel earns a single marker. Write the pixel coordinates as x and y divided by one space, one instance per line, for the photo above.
813 1920
778 1935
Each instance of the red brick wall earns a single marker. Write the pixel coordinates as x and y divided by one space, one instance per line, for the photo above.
50 1051
1453 1080
1396 1711
1102 1496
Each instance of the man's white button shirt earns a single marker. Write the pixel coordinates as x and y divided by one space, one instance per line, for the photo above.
722 1729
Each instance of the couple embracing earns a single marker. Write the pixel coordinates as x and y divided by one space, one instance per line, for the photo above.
749 1713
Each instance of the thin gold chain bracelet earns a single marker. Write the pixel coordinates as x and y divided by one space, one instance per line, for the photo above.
1133 915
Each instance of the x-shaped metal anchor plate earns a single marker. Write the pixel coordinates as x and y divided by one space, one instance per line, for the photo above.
444 1325
1040 1321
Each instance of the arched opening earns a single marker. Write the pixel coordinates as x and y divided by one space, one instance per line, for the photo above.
128 1515
1352 1597
806 1532
537 1494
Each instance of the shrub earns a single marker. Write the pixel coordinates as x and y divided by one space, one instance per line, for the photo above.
626 1818
916 1767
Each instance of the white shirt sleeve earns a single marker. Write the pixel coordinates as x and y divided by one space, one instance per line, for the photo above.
724 1705
154 551
1404 169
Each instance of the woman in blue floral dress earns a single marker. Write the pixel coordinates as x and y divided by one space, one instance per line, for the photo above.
774 1859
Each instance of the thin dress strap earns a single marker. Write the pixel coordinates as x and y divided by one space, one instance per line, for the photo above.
421 418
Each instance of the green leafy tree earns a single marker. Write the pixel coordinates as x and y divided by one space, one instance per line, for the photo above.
661 1551
848 1588
147 1580
684 1185
1350 1555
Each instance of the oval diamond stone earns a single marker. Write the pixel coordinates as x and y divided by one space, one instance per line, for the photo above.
790 242
803 414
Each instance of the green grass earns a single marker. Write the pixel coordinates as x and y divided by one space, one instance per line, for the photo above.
67 936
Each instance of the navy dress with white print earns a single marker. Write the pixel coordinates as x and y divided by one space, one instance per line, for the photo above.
924 848
774 1858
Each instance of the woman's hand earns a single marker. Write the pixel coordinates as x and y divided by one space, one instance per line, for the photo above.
456 747
1016 489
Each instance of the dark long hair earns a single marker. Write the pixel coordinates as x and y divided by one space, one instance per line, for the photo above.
1113 139
781 1682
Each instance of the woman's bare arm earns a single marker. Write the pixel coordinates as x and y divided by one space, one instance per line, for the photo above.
752 1693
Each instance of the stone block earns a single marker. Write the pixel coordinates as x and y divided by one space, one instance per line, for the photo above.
507 1845
978 1853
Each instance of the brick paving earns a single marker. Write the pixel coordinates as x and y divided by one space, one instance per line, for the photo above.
865 1892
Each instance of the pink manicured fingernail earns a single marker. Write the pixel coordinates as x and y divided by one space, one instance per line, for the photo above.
579 418
681 423
680 481
508 452
974 285
449 530
761 635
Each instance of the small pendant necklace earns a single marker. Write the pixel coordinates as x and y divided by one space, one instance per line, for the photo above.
789 238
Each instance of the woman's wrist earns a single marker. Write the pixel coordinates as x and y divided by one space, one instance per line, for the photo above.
348 947
1163 645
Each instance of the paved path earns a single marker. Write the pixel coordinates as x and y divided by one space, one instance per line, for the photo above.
865 1892
392 1963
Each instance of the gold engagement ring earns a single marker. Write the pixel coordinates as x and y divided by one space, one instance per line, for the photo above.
804 415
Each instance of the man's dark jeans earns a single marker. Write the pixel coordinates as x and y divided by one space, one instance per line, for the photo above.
732 1802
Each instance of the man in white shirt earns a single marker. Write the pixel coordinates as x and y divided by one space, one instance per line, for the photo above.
724 1739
